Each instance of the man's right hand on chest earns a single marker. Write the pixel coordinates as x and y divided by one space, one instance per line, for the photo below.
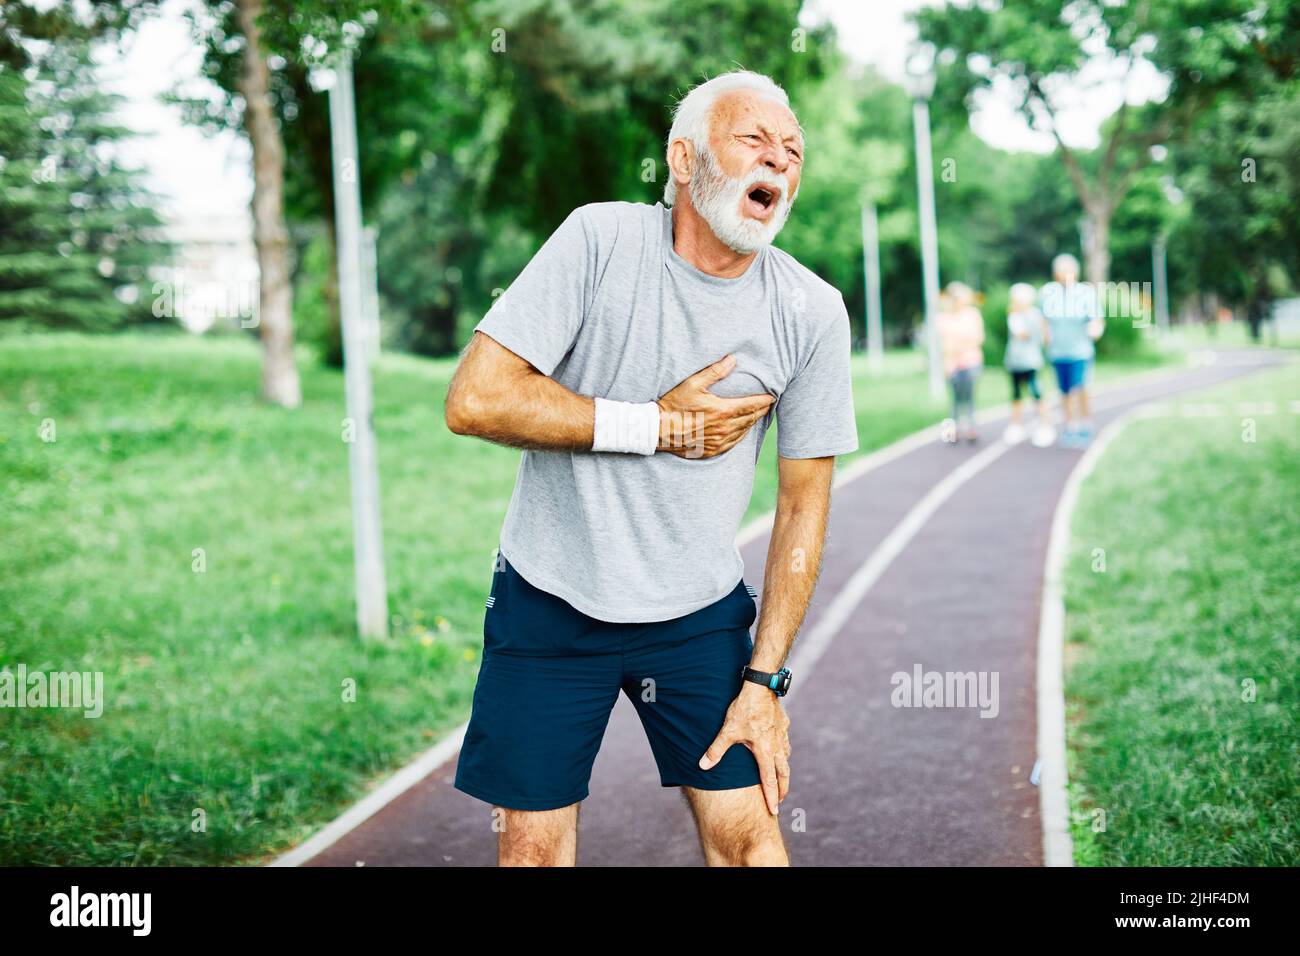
499 396
695 423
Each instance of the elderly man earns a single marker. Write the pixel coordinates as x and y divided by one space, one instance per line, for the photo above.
1074 322
638 360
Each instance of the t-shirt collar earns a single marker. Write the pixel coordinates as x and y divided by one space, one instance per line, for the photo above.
678 264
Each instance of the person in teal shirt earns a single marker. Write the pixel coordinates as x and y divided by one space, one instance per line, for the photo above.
1073 313
1026 335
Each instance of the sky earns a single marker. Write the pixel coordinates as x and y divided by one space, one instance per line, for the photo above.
203 176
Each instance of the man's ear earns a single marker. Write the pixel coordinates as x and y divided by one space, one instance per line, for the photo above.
681 161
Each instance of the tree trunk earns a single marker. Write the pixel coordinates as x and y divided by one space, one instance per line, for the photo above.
279 373
1096 251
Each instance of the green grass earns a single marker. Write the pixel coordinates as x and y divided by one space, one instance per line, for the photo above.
1197 604
226 688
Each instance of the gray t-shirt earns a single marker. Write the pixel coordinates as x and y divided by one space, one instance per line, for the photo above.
607 308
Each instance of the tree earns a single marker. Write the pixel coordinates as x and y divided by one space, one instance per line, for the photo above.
78 234
260 54
76 228
1040 48
1239 234
42 275
270 234
113 217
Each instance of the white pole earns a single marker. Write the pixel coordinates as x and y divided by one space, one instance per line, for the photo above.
1161 284
929 238
871 271
367 533
370 263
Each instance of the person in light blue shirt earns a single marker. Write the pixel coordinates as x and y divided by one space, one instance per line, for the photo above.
1026 336
1073 313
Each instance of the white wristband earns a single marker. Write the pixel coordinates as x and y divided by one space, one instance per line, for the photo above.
630 427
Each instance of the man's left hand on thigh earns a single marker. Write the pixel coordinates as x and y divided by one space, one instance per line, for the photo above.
757 720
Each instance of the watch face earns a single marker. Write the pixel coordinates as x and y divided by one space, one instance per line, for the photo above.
784 686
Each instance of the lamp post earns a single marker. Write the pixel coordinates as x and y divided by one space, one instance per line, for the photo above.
363 466
919 79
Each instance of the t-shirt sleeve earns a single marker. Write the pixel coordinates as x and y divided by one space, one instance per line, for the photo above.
815 417
539 315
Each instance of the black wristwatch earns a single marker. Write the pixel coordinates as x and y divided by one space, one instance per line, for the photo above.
778 683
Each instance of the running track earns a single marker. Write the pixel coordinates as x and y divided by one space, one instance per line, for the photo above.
872 784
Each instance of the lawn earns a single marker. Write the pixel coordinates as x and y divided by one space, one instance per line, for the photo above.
1184 655
194 546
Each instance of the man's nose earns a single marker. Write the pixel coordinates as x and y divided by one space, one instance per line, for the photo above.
775 159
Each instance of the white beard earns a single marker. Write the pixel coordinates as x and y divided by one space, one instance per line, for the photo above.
718 197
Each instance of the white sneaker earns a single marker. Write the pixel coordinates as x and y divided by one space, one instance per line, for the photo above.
1044 436
1014 434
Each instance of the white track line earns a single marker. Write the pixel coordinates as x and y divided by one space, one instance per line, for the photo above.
810 647
813 644
376 800
882 456
1054 805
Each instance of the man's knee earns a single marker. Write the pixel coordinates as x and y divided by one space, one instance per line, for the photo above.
537 837
736 829
749 845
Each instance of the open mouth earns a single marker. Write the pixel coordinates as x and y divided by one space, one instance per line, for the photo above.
761 200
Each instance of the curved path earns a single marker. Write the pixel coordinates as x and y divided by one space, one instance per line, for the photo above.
934 559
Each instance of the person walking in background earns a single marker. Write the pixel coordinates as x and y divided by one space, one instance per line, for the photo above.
1074 323
1026 334
961 336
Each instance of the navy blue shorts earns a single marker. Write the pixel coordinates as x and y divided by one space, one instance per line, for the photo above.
1070 374
550 676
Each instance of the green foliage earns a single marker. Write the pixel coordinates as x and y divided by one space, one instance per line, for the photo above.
994 309
484 122
78 235
1239 235
315 316
75 24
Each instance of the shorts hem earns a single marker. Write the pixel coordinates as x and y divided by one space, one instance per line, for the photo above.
518 803
711 785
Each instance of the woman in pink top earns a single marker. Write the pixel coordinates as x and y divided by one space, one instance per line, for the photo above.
961 336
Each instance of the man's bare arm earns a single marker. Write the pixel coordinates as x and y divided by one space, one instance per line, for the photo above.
499 396
794 556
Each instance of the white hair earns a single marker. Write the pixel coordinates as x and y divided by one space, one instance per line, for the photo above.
693 112
1022 293
1065 263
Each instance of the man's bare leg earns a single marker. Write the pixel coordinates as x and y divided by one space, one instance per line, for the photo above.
1067 406
735 827
538 837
